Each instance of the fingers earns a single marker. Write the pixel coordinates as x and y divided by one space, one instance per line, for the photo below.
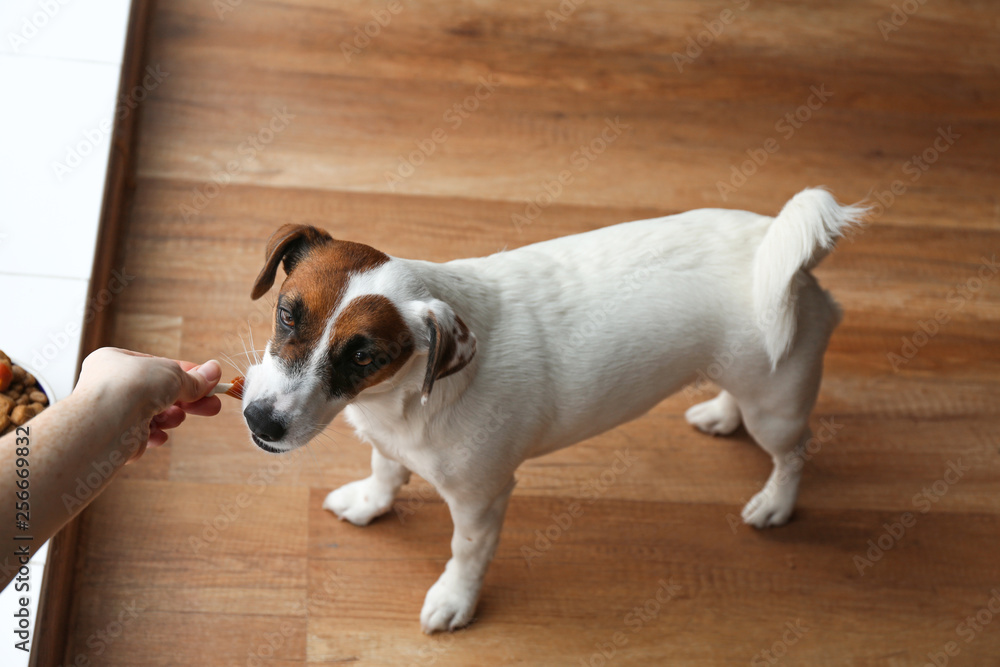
209 406
199 381
196 382
142 447
172 417
156 438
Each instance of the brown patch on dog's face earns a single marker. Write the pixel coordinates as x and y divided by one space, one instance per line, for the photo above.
371 342
312 293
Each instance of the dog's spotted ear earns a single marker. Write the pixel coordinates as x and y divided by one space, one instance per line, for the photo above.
450 344
287 245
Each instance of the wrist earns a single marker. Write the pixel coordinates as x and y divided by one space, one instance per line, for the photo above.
112 406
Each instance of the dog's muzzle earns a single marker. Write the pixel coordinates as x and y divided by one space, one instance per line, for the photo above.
265 427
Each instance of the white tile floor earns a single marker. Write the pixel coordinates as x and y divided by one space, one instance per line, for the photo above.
60 65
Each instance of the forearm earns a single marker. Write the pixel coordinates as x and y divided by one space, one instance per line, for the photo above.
62 458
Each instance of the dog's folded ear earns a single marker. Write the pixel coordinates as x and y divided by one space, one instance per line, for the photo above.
450 343
287 245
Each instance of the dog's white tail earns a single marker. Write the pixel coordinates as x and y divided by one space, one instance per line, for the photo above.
803 234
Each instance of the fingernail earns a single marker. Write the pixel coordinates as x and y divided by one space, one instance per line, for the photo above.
210 370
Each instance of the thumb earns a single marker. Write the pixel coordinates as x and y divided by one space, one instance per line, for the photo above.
199 381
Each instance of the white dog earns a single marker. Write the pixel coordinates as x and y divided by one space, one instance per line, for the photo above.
570 337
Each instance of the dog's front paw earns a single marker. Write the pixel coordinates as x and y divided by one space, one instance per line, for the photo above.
449 605
359 502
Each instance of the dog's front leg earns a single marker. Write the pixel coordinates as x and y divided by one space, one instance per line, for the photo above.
361 501
451 601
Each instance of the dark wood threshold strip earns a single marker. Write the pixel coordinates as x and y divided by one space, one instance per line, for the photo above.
56 597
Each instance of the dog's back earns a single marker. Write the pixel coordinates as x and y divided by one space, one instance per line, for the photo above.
612 321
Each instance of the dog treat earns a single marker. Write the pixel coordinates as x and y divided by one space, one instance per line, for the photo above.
21 398
6 375
234 388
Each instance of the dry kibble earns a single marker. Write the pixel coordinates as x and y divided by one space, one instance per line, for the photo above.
21 399
21 414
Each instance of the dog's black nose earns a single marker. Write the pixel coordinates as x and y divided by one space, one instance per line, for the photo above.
260 418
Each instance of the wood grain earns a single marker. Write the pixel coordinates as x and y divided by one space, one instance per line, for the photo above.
203 209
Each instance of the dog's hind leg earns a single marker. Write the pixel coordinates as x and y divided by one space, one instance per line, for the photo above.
775 408
361 501
719 416
781 436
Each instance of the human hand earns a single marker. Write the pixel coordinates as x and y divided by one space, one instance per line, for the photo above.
154 393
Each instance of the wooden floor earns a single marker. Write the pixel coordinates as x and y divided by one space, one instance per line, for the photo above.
210 552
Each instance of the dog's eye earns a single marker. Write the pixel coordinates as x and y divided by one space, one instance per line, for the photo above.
362 358
286 317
